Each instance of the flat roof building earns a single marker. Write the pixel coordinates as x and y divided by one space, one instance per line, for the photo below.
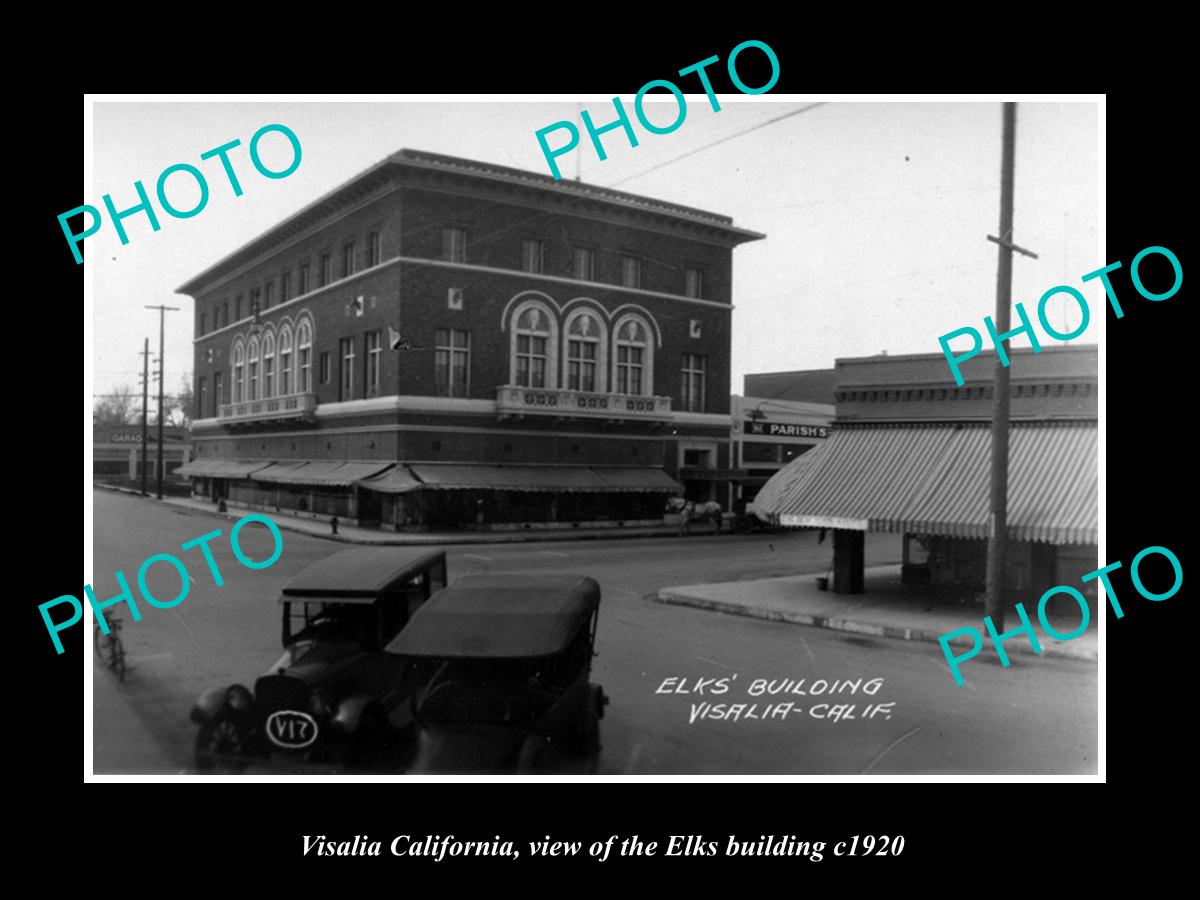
446 343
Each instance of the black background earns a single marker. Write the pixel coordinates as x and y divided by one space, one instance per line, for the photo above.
976 830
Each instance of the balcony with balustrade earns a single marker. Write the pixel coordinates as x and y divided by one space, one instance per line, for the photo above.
301 407
512 400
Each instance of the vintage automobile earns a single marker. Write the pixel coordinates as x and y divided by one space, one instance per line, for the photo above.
510 689
336 697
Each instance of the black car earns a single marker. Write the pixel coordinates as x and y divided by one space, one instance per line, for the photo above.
510 687
336 697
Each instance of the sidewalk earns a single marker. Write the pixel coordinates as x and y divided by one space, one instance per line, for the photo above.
352 534
887 609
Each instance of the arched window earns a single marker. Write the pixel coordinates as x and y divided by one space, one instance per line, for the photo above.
239 372
585 356
635 358
304 351
252 369
534 362
285 360
268 365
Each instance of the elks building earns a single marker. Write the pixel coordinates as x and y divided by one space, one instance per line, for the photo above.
445 343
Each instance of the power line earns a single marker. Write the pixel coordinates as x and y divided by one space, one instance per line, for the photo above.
787 115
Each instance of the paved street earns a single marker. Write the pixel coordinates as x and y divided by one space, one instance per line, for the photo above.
1037 717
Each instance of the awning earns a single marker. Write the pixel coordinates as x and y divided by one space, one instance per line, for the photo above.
557 479
280 471
935 480
397 480
510 478
638 479
209 467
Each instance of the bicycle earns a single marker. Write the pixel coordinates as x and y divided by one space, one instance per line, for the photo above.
109 649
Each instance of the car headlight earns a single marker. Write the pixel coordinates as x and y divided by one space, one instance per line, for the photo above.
239 697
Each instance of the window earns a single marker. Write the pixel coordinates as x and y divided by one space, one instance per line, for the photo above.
583 262
268 290
533 335
632 351
374 350
268 364
452 362
218 394
323 365
347 259
693 382
237 308
252 370
304 348
239 363
255 301
285 361
583 349
374 249
631 272
203 322
201 396
454 245
224 314
285 287
693 283
346 384
533 256
325 270
304 287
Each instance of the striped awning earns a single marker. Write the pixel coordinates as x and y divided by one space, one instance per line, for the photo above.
935 480
211 467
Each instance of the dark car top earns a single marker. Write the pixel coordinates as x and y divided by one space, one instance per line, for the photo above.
362 572
500 616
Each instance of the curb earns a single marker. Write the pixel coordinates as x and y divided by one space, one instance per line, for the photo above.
674 598
519 537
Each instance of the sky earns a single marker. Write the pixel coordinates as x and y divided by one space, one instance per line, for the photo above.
876 214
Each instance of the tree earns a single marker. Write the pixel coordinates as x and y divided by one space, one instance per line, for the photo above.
116 408
181 405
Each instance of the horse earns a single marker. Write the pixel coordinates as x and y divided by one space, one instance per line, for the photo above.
690 512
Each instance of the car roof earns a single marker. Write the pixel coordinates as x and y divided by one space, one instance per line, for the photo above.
360 573
500 616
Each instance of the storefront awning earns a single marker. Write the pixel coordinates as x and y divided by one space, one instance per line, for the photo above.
396 480
210 467
935 480
556 479
283 471
321 473
622 478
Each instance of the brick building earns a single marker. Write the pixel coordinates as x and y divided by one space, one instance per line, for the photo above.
447 343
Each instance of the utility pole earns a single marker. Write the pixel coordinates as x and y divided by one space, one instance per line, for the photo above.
998 539
162 310
145 354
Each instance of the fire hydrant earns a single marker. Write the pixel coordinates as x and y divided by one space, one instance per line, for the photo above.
333 524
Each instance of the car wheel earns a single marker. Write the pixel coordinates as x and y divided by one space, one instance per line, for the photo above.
218 740
103 647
